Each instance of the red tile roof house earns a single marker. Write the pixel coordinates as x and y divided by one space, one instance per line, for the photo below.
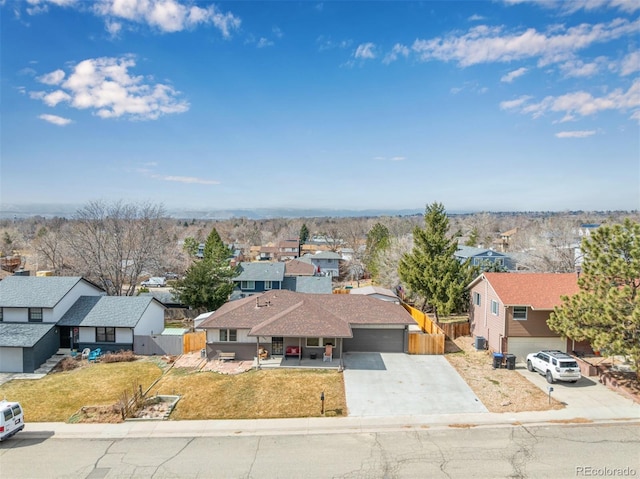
510 310
279 320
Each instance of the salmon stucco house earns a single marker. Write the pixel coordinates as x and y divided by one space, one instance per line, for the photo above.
510 310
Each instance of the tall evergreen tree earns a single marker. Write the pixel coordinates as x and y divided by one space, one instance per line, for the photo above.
304 233
430 270
208 283
606 310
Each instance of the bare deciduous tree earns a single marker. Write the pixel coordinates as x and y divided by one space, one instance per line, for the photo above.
115 243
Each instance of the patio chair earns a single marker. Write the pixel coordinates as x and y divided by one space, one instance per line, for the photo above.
328 353
94 355
85 353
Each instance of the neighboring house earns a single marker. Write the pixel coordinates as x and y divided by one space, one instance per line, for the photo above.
505 239
112 322
479 256
258 277
35 319
288 249
377 292
276 320
308 284
296 267
268 253
510 310
326 262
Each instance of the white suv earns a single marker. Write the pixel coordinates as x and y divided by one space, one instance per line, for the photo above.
555 365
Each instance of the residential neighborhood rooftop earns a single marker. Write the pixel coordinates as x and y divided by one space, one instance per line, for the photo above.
35 291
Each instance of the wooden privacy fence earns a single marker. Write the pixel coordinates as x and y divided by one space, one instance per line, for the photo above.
195 341
428 341
455 330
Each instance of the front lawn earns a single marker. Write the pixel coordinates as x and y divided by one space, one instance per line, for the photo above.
273 393
204 395
57 396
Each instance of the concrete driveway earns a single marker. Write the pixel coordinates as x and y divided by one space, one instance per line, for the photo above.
395 384
587 393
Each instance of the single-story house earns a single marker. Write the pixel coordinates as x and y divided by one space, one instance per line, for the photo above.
282 319
510 310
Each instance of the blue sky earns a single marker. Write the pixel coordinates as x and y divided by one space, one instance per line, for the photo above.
492 105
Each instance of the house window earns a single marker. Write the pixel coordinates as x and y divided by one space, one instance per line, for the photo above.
247 285
477 299
268 285
228 335
520 313
105 335
1 315
494 307
35 315
320 342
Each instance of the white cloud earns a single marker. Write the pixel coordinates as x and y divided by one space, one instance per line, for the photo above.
513 104
397 50
105 86
582 103
263 42
53 78
573 6
476 18
277 32
186 179
509 77
113 27
365 51
398 158
167 15
575 134
578 68
326 43
630 64
55 119
484 44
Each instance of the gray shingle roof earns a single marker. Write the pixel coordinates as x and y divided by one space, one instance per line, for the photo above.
470 251
35 291
311 284
106 311
260 272
24 335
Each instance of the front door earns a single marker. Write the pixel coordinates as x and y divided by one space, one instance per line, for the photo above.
277 346
66 337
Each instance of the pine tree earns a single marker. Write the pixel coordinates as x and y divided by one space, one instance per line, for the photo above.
430 270
606 310
208 283
304 234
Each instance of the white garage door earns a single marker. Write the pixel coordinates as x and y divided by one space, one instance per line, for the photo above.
523 346
10 360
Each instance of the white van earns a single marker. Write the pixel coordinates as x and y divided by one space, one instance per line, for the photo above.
11 419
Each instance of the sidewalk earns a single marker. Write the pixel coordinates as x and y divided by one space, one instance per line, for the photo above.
332 425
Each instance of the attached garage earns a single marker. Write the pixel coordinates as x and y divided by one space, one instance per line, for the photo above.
381 340
10 360
523 346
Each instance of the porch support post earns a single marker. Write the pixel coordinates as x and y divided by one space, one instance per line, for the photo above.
341 363
299 351
257 352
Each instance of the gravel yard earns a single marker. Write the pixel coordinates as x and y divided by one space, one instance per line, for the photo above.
500 390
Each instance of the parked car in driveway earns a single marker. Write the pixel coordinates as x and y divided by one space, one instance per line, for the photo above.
11 419
554 365
154 282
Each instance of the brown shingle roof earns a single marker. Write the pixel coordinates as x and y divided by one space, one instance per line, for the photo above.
287 313
537 290
295 267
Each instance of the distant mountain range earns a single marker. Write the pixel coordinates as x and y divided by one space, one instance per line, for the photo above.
8 211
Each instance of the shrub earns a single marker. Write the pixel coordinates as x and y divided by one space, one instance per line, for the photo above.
118 357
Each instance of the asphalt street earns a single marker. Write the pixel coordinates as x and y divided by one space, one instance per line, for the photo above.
517 451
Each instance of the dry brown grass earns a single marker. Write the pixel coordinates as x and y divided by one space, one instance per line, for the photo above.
56 397
500 390
254 394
